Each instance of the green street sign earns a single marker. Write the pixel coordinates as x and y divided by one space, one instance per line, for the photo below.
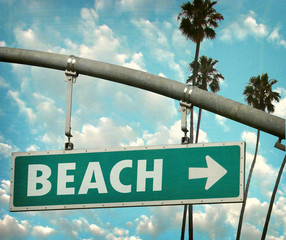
131 176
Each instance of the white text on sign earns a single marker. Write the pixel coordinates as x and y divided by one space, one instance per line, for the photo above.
40 173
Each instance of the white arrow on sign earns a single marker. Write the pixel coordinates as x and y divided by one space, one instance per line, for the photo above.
213 172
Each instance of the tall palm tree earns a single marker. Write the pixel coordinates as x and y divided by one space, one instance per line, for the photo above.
258 94
208 78
198 20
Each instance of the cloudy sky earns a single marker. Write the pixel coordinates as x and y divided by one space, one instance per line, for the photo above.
144 35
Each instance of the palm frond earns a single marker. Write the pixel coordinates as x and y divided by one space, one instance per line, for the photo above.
198 20
258 93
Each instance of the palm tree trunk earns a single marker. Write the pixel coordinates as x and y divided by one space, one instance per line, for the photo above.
196 69
272 199
195 74
247 188
198 125
184 222
191 124
191 225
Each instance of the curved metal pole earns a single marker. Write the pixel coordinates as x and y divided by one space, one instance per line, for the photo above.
203 99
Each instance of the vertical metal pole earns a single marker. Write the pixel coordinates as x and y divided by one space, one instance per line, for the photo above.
71 77
185 110
191 228
68 109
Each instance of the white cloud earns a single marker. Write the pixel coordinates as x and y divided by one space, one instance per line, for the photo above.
96 230
3 83
22 106
255 211
2 44
159 45
32 148
10 228
249 138
42 232
250 231
246 26
53 140
102 4
138 142
136 62
105 134
222 216
280 107
278 218
276 38
151 32
222 122
48 114
82 225
138 8
100 42
146 225
164 135
225 217
29 39
256 29
66 228
260 184
179 41
5 191
162 75
170 135
161 219
5 149
120 234
255 214
89 17
44 116
155 107
203 138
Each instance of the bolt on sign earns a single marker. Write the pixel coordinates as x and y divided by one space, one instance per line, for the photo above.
131 176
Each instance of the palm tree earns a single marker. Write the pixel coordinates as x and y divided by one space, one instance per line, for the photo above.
198 20
258 94
208 78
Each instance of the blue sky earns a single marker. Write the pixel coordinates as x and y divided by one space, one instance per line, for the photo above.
144 35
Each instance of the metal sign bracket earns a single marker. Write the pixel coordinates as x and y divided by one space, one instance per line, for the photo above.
185 110
71 76
279 145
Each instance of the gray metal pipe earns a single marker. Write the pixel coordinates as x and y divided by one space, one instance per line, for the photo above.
211 102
